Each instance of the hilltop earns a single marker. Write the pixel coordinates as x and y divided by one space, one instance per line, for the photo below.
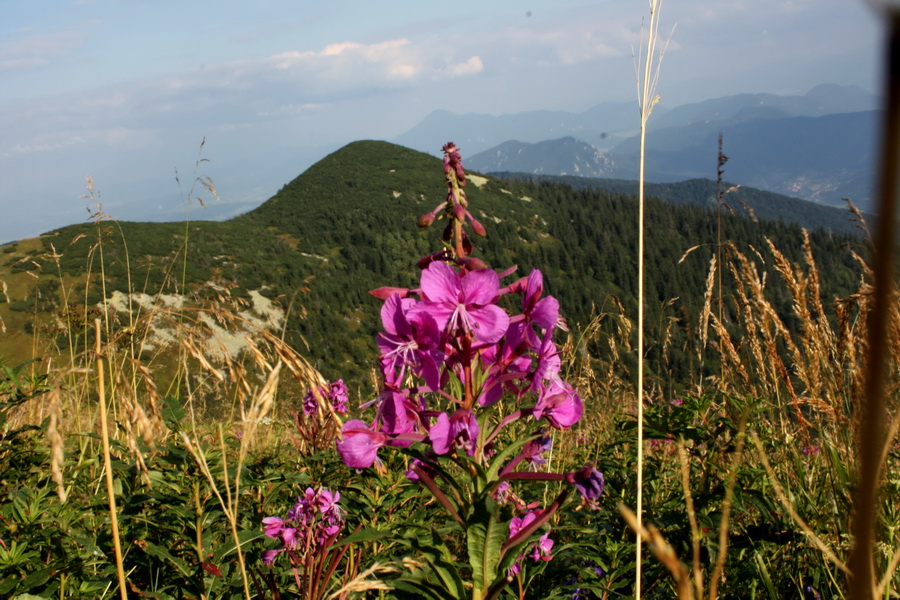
348 225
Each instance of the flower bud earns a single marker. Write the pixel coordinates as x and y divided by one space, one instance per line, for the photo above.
383 293
477 227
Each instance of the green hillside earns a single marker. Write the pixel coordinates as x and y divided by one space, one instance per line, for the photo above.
741 200
349 224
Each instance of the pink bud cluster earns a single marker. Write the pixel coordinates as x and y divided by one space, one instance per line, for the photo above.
313 524
335 393
455 207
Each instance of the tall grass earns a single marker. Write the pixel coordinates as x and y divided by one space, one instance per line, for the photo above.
647 98
212 353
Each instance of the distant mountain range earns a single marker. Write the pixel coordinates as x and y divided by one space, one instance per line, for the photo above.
565 156
818 146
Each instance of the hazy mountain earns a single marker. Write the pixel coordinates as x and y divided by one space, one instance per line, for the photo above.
601 126
822 159
606 124
565 156
825 99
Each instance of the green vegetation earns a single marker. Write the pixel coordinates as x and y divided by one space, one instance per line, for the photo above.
348 225
750 420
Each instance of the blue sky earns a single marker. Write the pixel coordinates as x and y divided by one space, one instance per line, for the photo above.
125 90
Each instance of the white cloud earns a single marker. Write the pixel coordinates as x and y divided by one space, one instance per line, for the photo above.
472 66
39 49
43 143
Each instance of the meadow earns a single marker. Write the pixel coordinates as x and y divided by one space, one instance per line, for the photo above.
117 469
179 445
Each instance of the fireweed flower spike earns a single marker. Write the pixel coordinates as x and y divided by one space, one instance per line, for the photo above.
335 393
310 525
461 380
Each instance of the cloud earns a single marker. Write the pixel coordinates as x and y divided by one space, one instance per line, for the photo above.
470 67
38 50
288 87
43 143
342 66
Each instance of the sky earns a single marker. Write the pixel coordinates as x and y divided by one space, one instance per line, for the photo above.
144 96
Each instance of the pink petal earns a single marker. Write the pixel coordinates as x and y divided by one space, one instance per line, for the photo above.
440 283
440 434
480 287
489 323
533 288
392 317
546 312
360 445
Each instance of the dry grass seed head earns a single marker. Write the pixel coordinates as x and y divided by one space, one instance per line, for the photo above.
706 311
57 445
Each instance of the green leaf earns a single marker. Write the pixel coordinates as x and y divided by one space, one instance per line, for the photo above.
245 536
435 552
485 537
173 413
160 552
419 588
366 535
38 578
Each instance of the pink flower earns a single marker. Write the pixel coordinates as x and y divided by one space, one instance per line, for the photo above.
533 450
410 339
542 548
544 312
397 415
327 501
464 301
359 446
519 523
273 526
560 404
337 393
459 431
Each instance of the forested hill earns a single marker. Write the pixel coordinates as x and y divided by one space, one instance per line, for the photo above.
740 200
349 224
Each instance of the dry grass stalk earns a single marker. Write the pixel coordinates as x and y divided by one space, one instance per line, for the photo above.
259 410
825 365
606 381
707 304
4 289
57 446
719 569
692 517
107 462
364 582
647 81
782 497
228 506
663 552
